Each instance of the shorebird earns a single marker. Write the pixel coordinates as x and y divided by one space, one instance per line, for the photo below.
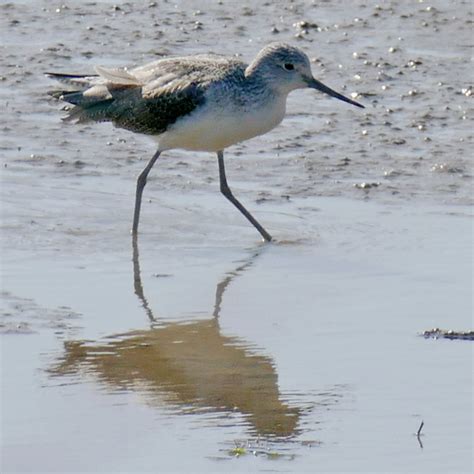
201 103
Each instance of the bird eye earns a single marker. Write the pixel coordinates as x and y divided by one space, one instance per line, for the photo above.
289 67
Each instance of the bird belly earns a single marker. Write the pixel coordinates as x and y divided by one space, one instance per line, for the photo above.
211 130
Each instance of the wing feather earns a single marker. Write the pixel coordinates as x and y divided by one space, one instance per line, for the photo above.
147 99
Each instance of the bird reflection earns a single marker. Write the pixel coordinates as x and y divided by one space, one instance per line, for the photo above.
191 367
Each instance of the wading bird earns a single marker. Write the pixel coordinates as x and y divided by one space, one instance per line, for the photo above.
200 103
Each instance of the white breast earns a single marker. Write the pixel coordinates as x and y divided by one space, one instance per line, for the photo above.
212 128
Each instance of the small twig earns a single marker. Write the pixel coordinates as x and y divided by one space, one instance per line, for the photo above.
418 434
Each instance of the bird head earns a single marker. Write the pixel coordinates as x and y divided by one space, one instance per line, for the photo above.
286 68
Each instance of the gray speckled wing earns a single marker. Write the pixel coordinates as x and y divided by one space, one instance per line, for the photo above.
150 98
127 107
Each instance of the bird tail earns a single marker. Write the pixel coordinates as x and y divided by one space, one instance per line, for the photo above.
90 107
73 79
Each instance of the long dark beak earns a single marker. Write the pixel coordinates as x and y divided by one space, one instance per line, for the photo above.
314 84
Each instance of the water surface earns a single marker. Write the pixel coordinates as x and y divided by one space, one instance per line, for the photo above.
199 349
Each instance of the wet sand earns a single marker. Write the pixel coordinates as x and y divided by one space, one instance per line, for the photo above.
201 349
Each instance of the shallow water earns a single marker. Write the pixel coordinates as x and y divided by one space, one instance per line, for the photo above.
200 349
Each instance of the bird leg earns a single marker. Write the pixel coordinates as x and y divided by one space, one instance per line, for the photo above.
141 181
225 190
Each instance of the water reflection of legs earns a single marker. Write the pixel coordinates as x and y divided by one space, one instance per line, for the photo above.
220 288
137 279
